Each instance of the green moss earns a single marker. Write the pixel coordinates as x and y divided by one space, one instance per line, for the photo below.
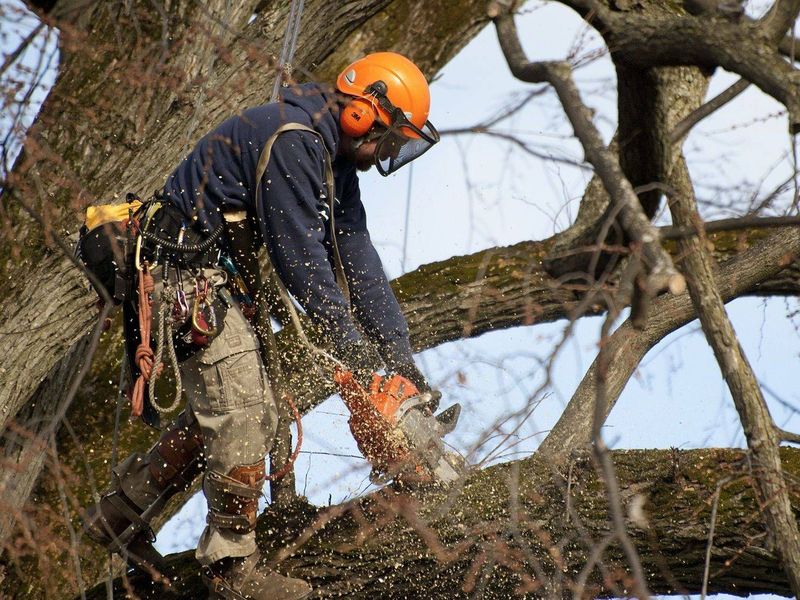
448 277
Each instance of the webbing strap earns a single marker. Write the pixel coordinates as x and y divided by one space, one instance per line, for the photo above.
261 168
238 523
227 485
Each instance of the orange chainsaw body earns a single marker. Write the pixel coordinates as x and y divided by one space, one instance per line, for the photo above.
397 432
373 417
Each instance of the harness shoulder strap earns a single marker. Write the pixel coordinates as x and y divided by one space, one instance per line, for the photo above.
261 168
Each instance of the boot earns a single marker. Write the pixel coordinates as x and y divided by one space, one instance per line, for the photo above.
114 523
244 579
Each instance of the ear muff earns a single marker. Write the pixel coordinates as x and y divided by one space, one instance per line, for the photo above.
357 117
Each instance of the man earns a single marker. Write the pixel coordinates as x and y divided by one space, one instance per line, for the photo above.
377 116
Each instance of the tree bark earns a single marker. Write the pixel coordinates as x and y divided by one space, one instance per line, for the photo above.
504 533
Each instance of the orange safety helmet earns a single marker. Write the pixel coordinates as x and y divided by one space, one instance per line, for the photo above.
390 96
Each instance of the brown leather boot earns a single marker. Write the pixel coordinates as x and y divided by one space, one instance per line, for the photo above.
245 579
115 522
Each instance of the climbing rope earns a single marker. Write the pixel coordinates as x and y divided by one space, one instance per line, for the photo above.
165 333
284 65
144 356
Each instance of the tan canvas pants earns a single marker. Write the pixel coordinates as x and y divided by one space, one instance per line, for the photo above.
228 395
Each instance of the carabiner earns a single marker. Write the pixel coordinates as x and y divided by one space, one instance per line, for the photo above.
201 325
180 308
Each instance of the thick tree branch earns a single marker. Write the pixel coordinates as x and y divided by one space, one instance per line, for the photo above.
741 48
759 428
780 18
392 546
627 346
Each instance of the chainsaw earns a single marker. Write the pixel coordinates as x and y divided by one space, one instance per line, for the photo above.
396 431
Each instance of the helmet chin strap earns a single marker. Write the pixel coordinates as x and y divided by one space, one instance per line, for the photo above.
373 134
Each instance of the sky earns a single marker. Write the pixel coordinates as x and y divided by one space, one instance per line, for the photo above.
473 192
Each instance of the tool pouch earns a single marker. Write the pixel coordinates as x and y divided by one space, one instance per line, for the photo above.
105 247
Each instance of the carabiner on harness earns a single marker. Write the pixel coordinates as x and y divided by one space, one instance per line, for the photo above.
204 319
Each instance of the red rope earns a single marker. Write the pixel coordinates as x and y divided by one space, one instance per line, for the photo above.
144 356
280 473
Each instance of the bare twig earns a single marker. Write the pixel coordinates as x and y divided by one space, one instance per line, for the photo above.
591 562
717 102
788 436
61 485
737 223
604 459
98 329
514 139
21 47
759 428
710 544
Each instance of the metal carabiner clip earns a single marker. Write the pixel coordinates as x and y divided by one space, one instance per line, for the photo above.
201 325
180 308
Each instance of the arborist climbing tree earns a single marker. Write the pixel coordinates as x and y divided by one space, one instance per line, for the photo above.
283 176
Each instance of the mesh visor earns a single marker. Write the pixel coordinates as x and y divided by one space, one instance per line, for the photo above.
394 149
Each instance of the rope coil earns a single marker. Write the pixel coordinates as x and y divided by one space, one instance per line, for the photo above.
168 293
144 356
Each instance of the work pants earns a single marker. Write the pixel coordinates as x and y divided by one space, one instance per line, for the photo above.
228 395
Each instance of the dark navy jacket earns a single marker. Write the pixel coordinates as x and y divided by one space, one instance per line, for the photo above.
219 173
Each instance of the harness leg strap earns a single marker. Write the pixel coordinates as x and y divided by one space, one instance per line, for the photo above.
233 498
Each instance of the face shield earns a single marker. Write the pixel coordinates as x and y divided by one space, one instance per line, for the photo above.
401 141
394 149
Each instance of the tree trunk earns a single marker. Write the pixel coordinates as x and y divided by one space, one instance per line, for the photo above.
509 527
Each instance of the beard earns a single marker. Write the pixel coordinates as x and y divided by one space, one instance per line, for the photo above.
364 165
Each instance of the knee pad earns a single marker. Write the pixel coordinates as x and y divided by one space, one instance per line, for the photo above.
177 457
233 498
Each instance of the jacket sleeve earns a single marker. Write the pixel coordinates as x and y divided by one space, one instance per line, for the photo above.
292 219
374 303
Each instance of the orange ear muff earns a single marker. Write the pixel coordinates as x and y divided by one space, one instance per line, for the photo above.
357 117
